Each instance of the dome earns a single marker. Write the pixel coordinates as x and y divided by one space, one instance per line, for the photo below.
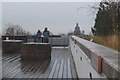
77 30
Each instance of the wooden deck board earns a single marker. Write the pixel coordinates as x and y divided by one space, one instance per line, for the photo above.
56 69
61 69
65 70
61 65
49 69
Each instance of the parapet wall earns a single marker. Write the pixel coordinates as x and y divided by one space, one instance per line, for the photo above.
104 60
55 40
59 41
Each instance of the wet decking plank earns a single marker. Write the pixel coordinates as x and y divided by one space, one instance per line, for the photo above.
56 69
43 70
9 66
53 70
15 72
39 71
49 68
60 74
30 71
69 69
22 73
8 57
61 65
65 70
10 70
6 63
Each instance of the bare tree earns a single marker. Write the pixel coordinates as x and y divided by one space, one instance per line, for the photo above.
14 30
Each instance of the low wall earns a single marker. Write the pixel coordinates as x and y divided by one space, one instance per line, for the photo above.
59 41
82 62
55 40
103 60
35 51
11 46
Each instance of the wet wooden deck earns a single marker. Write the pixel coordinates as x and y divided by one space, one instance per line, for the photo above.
61 65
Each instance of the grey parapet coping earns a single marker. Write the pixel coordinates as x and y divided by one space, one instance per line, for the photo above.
12 40
37 43
108 55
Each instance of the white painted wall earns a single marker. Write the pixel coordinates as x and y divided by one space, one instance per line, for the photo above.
83 66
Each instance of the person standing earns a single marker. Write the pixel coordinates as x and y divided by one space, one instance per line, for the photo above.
38 36
46 36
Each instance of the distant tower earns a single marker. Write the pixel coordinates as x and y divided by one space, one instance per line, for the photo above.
77 30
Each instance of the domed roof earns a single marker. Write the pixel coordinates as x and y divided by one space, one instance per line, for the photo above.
77 30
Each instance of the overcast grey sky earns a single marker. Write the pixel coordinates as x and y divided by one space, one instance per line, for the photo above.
59 17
